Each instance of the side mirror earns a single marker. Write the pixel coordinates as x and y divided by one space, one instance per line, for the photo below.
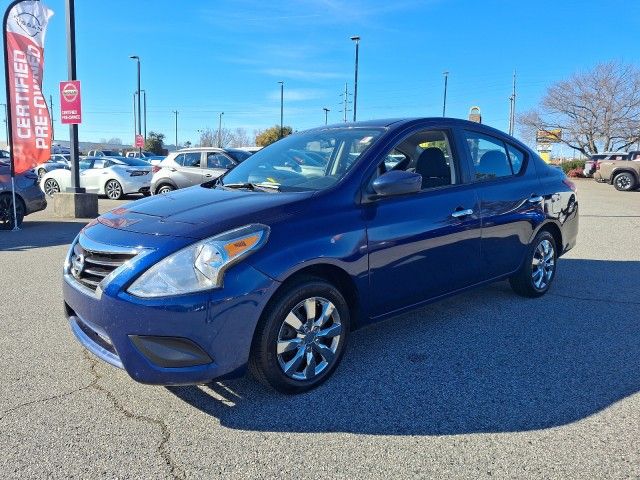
397 182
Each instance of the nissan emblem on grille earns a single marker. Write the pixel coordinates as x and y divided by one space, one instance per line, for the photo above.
77 265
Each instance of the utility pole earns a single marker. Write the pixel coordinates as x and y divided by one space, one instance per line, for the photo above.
444 101
326 113
345 101
53 136
356 39
281 109
220 129
135 116
512 106
175 112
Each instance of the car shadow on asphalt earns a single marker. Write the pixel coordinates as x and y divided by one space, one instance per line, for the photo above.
39 234
485 361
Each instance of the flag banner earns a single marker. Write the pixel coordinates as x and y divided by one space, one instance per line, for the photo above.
25 28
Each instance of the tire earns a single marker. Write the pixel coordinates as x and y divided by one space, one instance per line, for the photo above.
164 188
6 211
539 268
113 190
288 352
51 187
624 182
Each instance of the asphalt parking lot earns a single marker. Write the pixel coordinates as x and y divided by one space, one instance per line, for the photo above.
486 384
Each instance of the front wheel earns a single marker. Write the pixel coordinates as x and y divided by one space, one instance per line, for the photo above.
51 187
624 182
113 190
539 269
300 339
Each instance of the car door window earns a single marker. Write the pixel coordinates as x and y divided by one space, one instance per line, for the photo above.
427 152
516 157
489 156
191 159
100 163
218 160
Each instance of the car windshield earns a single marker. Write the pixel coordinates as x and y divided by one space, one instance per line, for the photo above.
308 161
133 162
111 153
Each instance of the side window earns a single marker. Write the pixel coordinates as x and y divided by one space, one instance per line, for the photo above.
218 160
84 164
100 163
489 156
516 156
191 159
179 159
427 152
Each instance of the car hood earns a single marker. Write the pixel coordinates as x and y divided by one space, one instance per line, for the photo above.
199 212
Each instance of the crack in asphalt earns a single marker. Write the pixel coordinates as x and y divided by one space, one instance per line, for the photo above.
593 299
162 447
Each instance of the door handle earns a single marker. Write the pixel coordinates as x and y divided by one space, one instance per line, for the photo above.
171 169
535 199
208 175
462 213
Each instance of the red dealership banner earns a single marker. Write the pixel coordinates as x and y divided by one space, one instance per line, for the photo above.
70 103
30 128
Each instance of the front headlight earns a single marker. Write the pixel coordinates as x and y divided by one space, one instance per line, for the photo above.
200 266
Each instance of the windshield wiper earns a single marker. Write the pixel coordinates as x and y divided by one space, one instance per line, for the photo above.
252 186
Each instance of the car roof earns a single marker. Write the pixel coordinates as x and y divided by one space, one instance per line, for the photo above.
401 122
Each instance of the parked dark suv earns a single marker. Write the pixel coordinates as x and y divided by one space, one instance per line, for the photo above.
274 264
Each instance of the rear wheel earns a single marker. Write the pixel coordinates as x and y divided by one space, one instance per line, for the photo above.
113 190
7 219
165 189
539 269
624 182
300 339
51 186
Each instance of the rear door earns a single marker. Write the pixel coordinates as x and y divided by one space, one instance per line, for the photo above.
216 164
510 201
189 169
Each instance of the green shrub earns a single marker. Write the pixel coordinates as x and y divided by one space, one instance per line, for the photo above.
572 165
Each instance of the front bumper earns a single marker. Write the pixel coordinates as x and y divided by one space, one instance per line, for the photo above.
220 323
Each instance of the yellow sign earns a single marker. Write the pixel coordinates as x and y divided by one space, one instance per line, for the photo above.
549 136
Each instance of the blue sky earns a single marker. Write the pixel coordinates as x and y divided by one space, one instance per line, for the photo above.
203 57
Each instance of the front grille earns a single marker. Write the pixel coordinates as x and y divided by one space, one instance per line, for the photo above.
89 267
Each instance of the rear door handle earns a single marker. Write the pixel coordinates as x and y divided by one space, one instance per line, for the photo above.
208 175
535 199
462 213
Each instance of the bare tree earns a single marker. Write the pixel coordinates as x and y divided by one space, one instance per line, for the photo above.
597 110
240 138
212 137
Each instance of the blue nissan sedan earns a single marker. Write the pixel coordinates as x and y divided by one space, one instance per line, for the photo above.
275 263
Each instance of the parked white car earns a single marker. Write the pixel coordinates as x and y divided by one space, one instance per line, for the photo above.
110 176
55 162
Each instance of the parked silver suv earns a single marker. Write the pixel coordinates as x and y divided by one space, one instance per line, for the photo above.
193 166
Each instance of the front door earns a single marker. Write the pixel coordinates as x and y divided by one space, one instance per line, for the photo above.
427 244
217 163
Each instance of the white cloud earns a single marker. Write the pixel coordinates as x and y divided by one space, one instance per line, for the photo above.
301 74
296 94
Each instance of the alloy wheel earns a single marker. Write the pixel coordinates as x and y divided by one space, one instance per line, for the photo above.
113 189
6 212
51 187
623 182
543 264
308 338
165 189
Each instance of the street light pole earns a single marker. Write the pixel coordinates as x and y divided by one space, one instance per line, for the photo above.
71 64
144 97
220 129
281 109
444 101
326 112
356 39
137 59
